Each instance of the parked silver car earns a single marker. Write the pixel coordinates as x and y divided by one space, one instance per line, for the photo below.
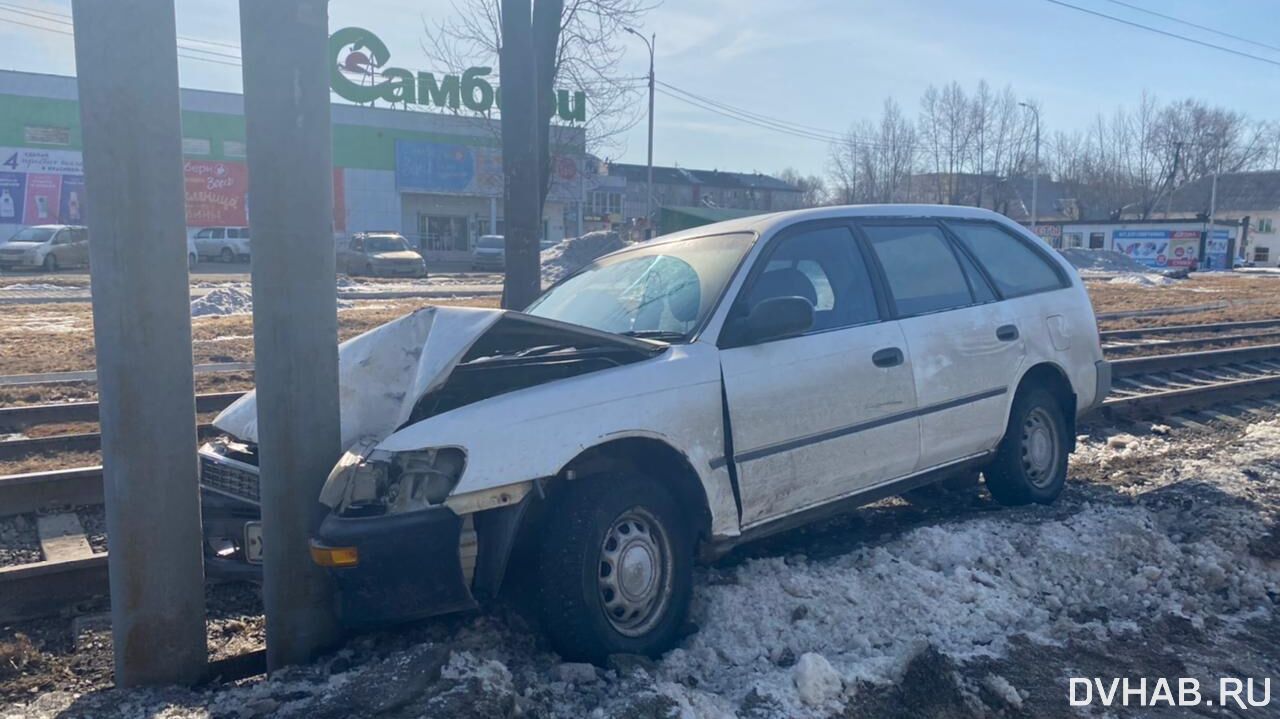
679 397
379 254
47 247
227 244
489 252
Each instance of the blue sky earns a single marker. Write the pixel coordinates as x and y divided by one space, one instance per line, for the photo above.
822 63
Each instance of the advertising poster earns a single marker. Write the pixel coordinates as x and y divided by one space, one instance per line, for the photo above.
71 209
449 168
43 194
216 193
13 193
1215 253
1149 247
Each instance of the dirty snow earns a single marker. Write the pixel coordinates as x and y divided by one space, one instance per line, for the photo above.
799 637
221 302
232 300
569 254
1102 260
1144 279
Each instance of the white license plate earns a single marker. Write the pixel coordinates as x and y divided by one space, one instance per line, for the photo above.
253 542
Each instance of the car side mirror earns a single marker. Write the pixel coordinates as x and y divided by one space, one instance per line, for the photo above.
775 318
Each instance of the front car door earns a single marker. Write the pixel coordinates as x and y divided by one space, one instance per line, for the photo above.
80 246
827 413
965 345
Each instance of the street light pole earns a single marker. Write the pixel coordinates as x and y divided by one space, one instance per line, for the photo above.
1035 173
648 208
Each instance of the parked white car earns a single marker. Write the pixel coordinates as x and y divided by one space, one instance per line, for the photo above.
679 397
227 244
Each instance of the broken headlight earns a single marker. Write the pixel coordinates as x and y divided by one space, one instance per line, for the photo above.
423 478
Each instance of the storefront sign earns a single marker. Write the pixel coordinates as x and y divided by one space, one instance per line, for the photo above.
358 72
434 167
1159 248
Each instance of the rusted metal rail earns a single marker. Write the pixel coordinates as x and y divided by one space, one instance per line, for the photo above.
13 419
79 442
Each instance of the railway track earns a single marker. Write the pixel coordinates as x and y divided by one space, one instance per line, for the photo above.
1150 386
1178 337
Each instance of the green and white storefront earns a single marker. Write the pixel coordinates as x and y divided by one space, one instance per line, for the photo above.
435 177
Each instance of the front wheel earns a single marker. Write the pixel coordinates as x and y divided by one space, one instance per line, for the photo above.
616 568
50 263
1031 461
227 255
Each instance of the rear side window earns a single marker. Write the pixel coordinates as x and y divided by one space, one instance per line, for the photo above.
921 268
1015 267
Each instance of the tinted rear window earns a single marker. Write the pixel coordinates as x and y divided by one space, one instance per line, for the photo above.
1015 267
921 268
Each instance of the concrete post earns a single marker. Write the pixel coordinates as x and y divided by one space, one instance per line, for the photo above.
132 135
295 320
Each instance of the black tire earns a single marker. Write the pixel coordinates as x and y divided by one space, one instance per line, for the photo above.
574 568
228 256
50 263
1031 461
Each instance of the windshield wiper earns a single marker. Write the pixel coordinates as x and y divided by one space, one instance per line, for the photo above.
654 334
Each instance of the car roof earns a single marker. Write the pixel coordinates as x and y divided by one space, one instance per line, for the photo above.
767 223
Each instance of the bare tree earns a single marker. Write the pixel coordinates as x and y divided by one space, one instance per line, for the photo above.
587 55
813 191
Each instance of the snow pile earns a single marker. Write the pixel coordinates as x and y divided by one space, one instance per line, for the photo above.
35 287
221 302
571 253
1143 279
226 301
1102 260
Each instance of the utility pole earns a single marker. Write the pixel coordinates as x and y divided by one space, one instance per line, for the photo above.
1213 205
295 314
132 133
1035 175
648 208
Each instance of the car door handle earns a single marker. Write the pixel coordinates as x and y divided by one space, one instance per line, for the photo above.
887 357
1007 333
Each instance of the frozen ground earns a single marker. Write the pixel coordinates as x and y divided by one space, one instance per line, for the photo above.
1161 560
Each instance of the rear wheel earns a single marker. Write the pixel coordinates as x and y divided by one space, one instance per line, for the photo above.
1031 461
616 568
50 263
227 255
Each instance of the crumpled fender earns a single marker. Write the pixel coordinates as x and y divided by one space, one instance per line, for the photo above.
383 372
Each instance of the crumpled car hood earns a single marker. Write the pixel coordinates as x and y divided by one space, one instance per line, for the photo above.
385 371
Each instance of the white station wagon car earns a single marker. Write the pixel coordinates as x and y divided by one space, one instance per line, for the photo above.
679 397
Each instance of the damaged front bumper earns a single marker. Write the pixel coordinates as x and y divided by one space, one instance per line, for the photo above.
406 566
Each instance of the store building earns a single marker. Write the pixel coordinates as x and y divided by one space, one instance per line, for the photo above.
1252 199
1157 244
436 177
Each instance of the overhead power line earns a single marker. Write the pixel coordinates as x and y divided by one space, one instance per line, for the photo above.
1166 33
65 20
1188 23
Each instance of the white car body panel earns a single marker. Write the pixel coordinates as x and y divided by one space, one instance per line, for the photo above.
820 388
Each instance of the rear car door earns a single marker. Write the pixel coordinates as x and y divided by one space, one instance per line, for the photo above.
966 346
827 413
80 246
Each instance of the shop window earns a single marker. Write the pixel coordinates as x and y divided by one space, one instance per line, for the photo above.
1097 240
1073 239
1262 254
1265 225
443 233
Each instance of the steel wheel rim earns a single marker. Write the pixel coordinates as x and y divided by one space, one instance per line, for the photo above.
1039 448
634 575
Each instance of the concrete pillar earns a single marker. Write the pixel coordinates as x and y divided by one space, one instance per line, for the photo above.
132 137
295 320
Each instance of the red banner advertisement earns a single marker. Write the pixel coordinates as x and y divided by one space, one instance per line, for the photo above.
218 194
